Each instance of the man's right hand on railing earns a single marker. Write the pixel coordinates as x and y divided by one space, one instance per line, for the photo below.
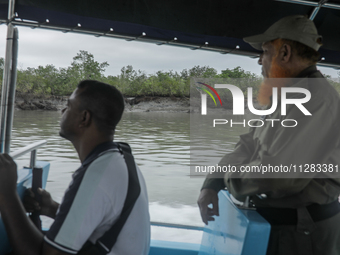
48 206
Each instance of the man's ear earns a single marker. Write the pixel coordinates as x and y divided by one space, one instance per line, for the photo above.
285 53
86 118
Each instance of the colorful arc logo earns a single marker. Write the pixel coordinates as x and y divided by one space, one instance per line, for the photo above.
213 90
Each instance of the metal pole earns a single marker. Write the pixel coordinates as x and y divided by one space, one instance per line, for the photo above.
22 151
11 92
5 84
317 9
11 14
33 158
7 77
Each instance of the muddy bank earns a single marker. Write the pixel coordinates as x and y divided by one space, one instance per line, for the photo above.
132 104
52 103
157 104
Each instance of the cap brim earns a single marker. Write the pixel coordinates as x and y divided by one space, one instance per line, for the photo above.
256 41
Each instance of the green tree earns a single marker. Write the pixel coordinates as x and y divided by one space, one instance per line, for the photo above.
237 72
49 79
202 72
85 67
29 83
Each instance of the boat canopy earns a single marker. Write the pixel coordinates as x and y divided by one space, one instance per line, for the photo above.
217 25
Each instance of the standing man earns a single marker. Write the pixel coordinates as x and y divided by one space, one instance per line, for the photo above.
96 196
303 211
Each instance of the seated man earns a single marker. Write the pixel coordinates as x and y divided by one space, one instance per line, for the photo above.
303 209
96 196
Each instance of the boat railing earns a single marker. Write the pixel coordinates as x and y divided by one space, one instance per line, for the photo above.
172 225
29 148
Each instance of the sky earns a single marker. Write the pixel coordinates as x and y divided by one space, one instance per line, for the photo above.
43 47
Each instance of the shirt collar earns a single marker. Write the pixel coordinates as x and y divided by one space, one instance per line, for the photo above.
98 150
308 71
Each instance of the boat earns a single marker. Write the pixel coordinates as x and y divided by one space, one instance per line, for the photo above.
216 26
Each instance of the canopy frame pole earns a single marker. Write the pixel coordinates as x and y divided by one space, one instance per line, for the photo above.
310 3
9 81
317 9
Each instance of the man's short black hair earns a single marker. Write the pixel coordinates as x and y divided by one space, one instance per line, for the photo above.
104 101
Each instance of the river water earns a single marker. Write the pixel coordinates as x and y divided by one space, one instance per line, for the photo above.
161 146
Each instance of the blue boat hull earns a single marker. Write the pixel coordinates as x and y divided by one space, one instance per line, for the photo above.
235 232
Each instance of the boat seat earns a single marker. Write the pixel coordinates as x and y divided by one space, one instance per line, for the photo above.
236 231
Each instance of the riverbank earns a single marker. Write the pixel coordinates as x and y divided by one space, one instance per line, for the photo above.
157 104
132 104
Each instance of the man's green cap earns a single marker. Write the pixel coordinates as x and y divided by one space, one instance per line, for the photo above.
296 28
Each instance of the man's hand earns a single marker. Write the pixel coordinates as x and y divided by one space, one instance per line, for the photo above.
48 206
207 197
8 176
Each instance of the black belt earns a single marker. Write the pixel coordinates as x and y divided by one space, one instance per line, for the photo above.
288 216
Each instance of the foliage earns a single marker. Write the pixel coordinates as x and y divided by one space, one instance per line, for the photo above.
52 81
85 67
137 83
237 72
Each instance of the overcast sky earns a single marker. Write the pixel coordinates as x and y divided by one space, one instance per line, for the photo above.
43 47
